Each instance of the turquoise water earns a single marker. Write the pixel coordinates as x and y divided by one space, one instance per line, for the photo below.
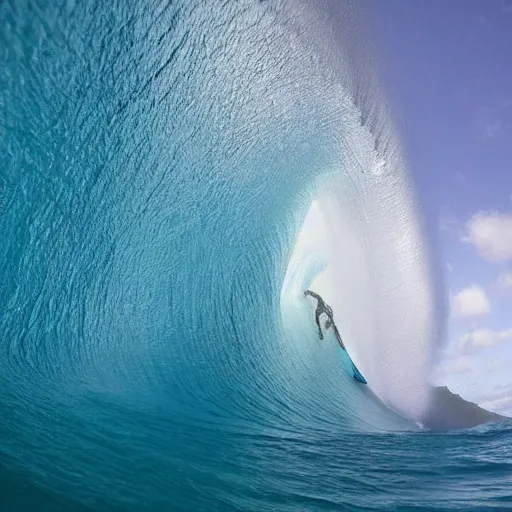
158 160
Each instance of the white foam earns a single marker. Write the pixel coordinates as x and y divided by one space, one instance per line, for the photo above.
375 273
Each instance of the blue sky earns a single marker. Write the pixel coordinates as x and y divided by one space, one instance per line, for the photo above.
446 67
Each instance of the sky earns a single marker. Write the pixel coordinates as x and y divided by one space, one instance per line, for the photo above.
446 68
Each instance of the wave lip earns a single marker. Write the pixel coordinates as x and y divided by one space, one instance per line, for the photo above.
362 249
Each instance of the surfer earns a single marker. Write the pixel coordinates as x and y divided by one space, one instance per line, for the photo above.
323 308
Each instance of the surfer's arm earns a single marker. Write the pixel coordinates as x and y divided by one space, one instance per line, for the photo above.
313 294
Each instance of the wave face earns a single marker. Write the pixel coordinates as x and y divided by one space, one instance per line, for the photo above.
158 161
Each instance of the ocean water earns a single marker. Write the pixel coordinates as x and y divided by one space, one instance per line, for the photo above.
173 174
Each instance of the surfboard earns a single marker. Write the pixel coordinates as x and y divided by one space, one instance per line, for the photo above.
357 374
350 367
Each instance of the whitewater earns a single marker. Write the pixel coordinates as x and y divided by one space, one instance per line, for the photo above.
173 176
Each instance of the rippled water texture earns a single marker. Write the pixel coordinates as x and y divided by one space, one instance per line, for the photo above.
157 163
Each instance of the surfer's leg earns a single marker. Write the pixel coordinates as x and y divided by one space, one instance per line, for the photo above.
317 320
338 337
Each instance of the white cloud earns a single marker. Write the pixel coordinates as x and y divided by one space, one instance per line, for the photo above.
494 393
449 267
505 280
470 302
451 365
486 337
457 365
491 234
500 406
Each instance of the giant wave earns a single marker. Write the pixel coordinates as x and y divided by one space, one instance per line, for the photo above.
173 175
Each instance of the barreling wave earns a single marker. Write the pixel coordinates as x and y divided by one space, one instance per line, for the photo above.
158 161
